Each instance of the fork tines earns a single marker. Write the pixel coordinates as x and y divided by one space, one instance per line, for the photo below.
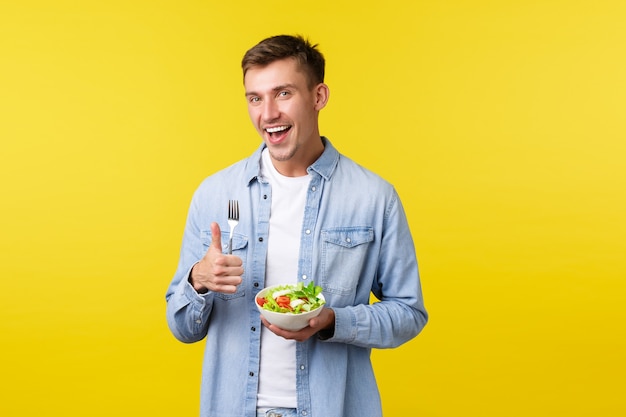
233 221
233 209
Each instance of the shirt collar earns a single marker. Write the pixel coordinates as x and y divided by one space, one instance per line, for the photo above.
324 165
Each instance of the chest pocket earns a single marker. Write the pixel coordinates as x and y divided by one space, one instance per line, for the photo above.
240 248
344 251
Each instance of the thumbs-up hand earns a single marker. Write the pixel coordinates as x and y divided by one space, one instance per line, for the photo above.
216 271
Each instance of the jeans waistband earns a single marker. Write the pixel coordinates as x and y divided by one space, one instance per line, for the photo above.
278 412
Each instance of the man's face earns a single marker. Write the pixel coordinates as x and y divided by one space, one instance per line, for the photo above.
284 110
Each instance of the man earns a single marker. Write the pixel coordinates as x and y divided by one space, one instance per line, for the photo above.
307 213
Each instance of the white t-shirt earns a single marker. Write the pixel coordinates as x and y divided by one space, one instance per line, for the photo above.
277 377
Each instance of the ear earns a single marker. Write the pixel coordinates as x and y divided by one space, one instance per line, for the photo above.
321 96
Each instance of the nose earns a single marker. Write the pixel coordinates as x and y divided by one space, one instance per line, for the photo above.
270 111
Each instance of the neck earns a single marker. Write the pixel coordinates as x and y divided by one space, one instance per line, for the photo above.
297 165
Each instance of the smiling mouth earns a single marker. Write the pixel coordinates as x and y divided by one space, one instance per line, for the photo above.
277 130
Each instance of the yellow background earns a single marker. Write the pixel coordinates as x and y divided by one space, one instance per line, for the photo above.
500 122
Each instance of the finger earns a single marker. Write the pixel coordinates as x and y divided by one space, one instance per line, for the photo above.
300 335
216 236
223 288
314 323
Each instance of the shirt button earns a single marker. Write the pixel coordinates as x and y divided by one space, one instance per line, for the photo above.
264 196
256 284
304 413
304 277
251 374
313 188
348 240
302 367
253 329
260 239
198 321
307 231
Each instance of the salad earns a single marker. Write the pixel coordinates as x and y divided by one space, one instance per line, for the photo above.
294 299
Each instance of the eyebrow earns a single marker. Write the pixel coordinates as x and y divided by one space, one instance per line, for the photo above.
275 89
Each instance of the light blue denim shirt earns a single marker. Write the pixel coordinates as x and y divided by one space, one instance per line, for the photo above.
355 241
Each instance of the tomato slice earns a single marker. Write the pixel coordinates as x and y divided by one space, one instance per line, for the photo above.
283 301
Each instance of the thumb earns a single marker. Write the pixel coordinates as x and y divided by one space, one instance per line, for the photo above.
216 237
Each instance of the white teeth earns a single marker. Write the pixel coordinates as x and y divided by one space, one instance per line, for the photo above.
276 129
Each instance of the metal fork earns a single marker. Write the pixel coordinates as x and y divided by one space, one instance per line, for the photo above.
233 221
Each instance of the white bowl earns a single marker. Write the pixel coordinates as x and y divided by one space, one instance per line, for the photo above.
287 321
